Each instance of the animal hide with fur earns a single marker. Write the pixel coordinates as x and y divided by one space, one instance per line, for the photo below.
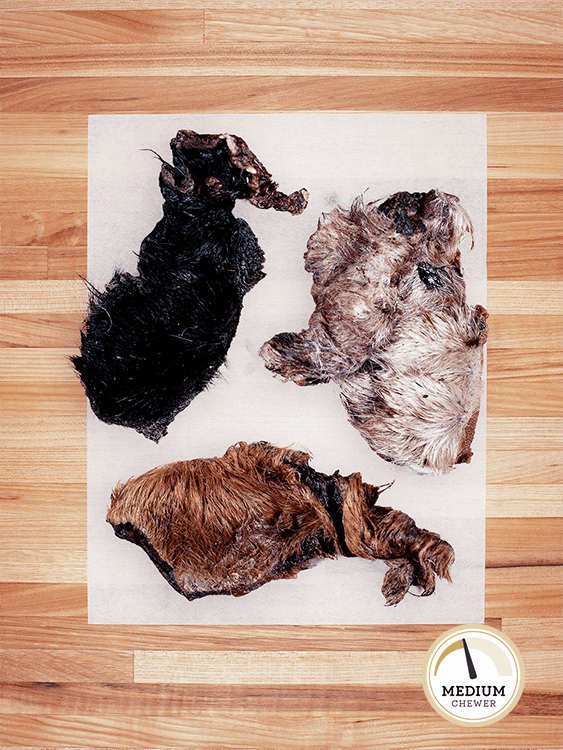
393 329
229 525
152 342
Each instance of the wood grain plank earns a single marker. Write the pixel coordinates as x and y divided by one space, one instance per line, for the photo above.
37 129
55 262
27 193
515 542
525 129
101 27
49 564
41 367
524 500
525 297
63 135
506 365
36 515
61 160
526 575
57 452
30 263
542 232
174 700
538 600
57 600
65 665
529 630
278 667
376 25
39 297
524 467
43 435
326 5
282 730
542 669
44 330
43 228
512 261
43 415
506 331
389 59
509 433
368 668
524 382
525 162
259 93
525 397
515 196
49 406
57 145
47 464
67 262
74 633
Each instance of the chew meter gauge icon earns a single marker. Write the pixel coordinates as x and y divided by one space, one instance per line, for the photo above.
490 648
473 675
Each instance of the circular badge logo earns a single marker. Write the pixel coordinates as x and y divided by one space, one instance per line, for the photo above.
473 675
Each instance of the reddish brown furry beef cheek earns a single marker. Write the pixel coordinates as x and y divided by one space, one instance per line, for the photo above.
393 329
229 525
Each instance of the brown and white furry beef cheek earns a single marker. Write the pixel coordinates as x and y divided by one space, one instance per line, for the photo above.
393 329
229 525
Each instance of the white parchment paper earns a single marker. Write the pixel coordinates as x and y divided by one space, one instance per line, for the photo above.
336 157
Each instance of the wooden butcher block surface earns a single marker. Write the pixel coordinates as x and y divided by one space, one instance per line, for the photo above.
65 683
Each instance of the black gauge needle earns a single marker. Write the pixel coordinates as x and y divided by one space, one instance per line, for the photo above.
470 667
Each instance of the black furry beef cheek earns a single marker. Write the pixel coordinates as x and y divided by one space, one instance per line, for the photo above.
152 342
